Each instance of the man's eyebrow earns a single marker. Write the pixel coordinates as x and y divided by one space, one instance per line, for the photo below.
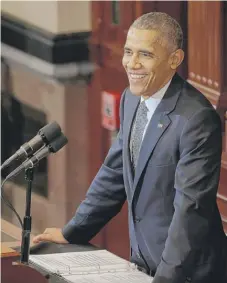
146 51
140 50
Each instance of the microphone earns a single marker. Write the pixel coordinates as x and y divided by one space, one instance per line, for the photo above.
44 136
53 147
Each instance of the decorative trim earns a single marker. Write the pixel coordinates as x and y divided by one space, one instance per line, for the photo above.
203 79
224 163
60 71
222 197
46 46
211 94
224 219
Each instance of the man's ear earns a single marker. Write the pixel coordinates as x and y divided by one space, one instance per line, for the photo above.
176 59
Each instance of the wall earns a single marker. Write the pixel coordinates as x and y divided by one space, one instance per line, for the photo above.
52 16
45 49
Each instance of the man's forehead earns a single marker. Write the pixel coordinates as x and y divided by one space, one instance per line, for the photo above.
142 32
142 36
151 39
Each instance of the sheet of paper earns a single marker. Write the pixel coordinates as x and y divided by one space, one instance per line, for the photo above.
118 277
81 262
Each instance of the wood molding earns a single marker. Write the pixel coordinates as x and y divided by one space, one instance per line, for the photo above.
222 197
222 205
211 94
224 160
224 221
6 251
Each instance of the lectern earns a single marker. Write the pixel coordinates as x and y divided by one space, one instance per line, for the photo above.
11 237
14 272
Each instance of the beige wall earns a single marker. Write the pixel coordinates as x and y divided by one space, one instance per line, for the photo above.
74 15
53 16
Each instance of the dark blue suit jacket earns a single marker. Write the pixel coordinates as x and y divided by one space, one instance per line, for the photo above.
173 215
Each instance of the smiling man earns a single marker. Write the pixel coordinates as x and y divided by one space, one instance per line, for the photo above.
165 162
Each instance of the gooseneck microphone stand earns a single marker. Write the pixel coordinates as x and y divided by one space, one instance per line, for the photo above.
25 246
29 166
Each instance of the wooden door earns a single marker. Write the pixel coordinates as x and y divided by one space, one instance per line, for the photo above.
109 36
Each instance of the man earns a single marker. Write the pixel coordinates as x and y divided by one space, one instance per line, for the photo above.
165 162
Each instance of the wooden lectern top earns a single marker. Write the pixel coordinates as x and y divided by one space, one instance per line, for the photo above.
7 251
12 271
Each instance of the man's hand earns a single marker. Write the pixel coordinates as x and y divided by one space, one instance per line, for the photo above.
51 235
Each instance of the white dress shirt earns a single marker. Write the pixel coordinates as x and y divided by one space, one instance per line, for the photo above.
153 102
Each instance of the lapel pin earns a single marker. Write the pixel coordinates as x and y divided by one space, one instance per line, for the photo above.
160 125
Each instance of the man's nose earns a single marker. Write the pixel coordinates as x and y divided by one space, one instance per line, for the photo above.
133 62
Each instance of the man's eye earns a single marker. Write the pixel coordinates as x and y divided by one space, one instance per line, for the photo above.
128 52
146 54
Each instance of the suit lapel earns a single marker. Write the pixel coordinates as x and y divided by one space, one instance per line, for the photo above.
131 102
159 123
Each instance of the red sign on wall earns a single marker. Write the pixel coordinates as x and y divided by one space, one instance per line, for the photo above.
110 110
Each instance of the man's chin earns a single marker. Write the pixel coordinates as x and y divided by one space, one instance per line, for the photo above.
136 90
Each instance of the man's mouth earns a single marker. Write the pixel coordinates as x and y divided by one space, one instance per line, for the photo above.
136 77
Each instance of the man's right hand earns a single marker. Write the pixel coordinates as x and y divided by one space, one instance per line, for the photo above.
51 235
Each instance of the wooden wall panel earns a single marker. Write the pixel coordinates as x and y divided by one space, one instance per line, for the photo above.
207 70
109 76
97 20
127 17
224 52
142 7
114 35
177 10
97 26
204 47
223 99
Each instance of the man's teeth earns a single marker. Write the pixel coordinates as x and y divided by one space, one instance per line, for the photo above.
134 76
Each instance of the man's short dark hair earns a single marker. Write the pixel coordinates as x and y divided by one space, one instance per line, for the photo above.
168 27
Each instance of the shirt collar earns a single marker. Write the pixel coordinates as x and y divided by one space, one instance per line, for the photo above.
156 97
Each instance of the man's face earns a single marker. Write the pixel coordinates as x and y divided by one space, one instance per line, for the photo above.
146 61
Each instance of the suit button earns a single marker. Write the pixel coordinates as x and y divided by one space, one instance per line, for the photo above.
188 279
137 219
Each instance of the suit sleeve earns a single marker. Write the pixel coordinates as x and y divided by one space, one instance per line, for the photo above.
196 182
104 198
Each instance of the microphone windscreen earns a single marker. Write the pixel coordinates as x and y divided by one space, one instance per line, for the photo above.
50 131
58 143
